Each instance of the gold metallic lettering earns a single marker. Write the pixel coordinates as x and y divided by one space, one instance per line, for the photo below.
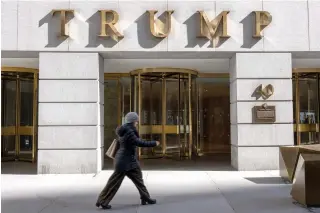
208 29
267 91
157 27
262 19
111 24
63 21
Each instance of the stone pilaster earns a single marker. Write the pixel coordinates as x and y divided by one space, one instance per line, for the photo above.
256 146
70 119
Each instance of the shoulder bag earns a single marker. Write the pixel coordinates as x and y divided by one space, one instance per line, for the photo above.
113 148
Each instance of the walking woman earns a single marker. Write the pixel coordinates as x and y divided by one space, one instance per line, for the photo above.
126 163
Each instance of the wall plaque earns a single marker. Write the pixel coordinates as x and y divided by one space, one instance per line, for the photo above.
264 114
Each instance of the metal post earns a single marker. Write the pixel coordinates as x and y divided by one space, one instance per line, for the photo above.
139 102
164 116
119 102
318 103
35 106
178 120
190 116
298 110
18 117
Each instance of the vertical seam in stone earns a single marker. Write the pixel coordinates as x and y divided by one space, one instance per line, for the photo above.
18 25
263 38
308 18
221 192
100 155
215 40
117 44
68 39
170 29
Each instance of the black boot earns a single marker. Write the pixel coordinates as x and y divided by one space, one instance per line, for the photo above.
103 206
145 201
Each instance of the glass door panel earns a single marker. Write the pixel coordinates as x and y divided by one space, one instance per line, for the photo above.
111 110
163 102
9 118
26 119
306 108
195 117
8 147
173 144
8 100
117 103
184 130
151 115
156 116
145 114
19 115
125 97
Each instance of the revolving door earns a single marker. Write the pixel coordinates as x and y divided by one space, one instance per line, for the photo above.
165 99
19 88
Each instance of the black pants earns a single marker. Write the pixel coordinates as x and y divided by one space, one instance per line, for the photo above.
114 184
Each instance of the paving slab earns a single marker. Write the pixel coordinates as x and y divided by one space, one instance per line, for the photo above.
175 191
259 191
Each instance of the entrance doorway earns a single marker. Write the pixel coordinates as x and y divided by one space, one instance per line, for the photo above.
186 111
18 114
165 99
214 114
306 98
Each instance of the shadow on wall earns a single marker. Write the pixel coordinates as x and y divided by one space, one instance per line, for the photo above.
145 38
94 31
248 32
219 41
257 92
53 23
193 29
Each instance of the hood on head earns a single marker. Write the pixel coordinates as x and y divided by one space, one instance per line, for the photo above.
121 130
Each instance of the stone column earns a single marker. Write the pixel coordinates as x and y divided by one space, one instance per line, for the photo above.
256 146
70 116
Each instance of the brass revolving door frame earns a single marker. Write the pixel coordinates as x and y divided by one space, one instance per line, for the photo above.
182 128
18 75
311 127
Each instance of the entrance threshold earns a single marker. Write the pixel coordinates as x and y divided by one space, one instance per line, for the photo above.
217 162
18 168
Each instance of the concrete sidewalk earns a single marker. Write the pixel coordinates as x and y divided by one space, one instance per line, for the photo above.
180 191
